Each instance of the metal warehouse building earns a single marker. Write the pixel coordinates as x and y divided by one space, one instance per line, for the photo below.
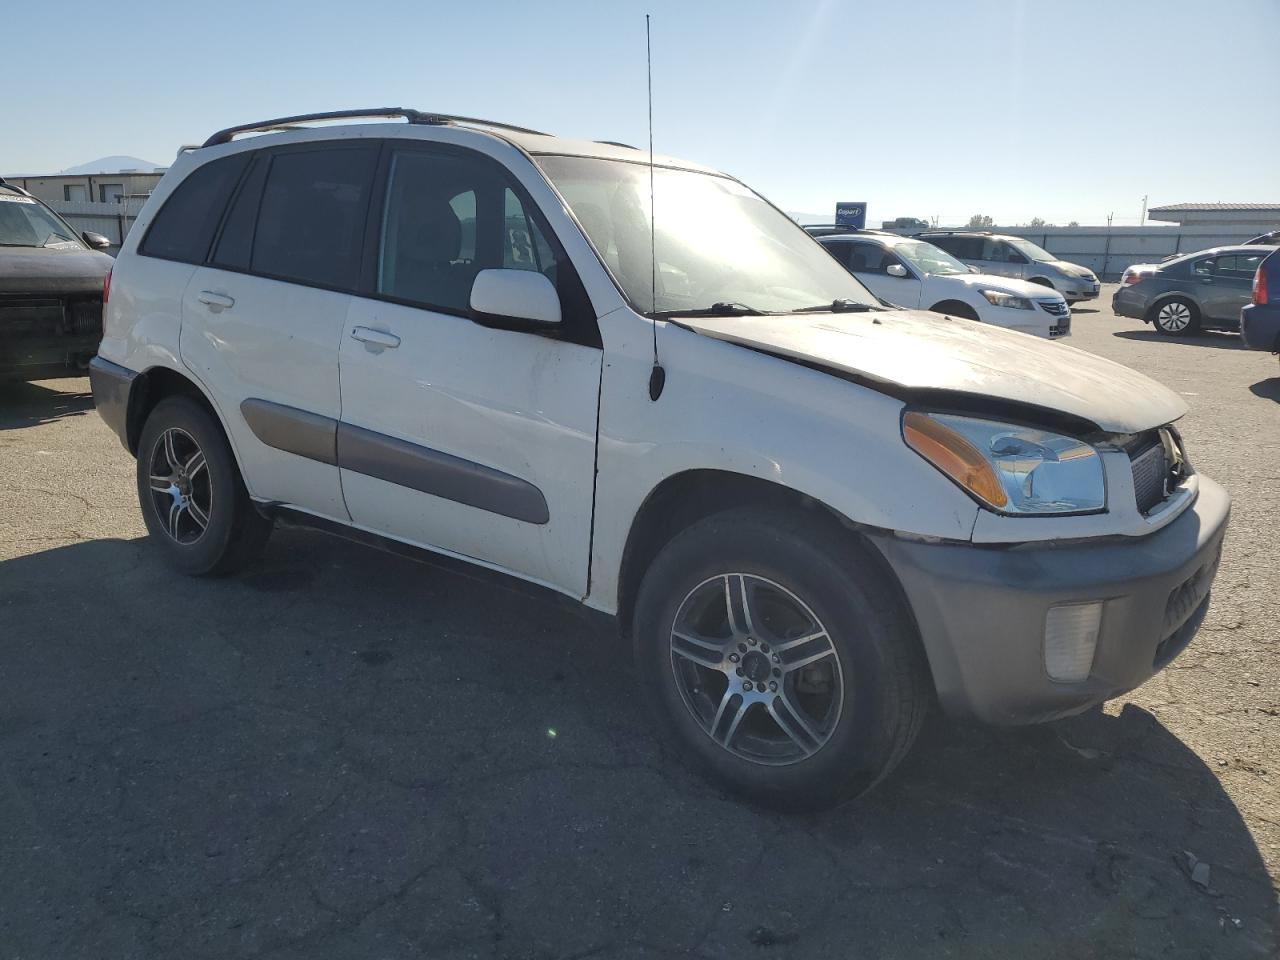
1219 214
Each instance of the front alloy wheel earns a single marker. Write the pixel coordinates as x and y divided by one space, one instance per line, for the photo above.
774 647
756 668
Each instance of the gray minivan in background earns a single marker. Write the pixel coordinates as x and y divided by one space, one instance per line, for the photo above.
1017 257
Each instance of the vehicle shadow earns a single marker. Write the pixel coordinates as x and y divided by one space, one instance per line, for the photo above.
342 753
1219 339
25 404
1268 389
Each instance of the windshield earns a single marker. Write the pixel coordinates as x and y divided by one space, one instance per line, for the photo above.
25 223
927 258
1031 251
718 244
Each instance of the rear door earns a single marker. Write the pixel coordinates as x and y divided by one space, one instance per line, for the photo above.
475 441
1230 286
966 249
262 320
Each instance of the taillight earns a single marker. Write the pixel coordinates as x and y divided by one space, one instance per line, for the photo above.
106 288
1131 278
1260 287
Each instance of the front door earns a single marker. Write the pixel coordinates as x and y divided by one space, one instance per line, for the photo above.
1000 259
870 262
474 441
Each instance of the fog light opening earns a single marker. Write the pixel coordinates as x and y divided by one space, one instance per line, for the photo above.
1070 640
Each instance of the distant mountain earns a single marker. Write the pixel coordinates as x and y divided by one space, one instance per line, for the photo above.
114 165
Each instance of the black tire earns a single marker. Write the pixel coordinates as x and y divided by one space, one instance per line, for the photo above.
1176 317
875 657
233 532
954 308
1041 281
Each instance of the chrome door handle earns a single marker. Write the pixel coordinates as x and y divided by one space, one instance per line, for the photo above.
216 301
375 338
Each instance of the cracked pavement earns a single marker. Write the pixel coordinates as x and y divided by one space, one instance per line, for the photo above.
342 753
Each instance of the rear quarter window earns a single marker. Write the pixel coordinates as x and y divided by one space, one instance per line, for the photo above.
184 227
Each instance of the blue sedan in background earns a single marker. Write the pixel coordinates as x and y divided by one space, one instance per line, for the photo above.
1260 320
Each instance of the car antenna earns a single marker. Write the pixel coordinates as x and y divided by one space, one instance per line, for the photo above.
657 376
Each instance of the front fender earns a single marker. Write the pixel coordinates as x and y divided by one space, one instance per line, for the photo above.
729 408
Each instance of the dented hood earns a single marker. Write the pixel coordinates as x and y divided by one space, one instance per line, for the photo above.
912 350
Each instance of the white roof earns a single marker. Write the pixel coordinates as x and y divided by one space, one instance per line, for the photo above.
564 146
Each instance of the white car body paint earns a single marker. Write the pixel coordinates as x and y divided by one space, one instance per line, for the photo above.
926 351
736 399
928 290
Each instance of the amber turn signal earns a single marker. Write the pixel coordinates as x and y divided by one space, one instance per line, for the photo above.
953 455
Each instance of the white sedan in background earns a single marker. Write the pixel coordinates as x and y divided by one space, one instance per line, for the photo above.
915 274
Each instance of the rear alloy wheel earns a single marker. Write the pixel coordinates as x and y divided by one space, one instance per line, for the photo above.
1177 318
776 650
192 497
181 493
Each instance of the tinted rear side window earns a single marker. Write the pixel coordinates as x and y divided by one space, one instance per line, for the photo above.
183 228
235 244
312 215
962 248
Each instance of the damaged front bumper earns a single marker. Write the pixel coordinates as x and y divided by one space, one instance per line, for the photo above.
983 611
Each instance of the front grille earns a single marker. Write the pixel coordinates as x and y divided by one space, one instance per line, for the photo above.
84 316
1058 308
1159 466
1149 469
32 317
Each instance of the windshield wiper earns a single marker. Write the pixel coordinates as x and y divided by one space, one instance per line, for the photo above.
838 306
721 308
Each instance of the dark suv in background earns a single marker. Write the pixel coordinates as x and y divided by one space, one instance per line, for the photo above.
50 290
1196 291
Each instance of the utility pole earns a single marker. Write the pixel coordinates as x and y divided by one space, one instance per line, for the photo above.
1106 252
1143 221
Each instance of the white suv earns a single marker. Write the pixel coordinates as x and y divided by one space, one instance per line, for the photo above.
912 273
811 514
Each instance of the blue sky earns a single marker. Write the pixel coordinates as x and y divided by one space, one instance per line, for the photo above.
1013 108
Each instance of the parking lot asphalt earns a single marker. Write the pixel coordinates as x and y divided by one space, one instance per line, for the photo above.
343 753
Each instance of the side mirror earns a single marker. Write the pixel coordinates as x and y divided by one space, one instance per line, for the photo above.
96 240
514 300
896 270
973 269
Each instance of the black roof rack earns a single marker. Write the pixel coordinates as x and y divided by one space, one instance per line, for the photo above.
413 116
617 143
841 228
947 233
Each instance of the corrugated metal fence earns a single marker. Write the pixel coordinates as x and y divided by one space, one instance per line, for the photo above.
112 220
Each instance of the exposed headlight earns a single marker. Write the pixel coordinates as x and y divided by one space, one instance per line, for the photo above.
998 299
1009 468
